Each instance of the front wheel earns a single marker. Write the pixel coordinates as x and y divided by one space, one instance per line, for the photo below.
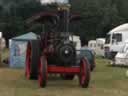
84 76
43 73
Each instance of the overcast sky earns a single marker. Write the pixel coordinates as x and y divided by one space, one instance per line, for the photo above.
53 1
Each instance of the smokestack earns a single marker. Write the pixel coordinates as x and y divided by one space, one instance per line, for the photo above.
63 13
45 2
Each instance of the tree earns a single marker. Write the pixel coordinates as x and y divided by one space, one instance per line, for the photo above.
100 16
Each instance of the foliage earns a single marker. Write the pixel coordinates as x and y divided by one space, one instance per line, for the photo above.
100 16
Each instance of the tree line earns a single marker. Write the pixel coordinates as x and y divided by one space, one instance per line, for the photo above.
99 16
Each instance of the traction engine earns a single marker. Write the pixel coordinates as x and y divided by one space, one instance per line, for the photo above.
53 52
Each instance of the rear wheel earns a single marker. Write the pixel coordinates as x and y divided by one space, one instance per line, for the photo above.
84 76
43 73
32 59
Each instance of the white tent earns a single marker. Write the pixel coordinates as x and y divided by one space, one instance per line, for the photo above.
18 49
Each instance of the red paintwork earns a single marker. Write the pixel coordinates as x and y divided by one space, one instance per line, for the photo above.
40 74
28 61
42 17
58 69
83 74
42 80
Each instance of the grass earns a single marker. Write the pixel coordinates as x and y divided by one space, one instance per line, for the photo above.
105 81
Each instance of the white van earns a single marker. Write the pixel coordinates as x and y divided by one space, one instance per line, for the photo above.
100 46
115 40
122 57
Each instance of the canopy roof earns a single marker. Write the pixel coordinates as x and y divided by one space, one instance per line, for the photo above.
51 17
27 36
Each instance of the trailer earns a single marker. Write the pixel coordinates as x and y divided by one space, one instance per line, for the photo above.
100 46
92 45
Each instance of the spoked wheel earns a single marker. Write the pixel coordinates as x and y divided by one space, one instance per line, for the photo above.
67 76
32 59
43 73
84 76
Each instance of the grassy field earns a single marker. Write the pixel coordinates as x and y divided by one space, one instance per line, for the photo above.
105 81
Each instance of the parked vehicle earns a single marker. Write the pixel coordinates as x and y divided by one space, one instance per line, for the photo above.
115 40
92 44
122 57
1 34
3 42
100 46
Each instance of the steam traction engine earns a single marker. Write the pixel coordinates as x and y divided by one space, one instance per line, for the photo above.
54 52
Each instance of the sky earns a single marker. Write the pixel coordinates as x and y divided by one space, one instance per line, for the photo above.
53 1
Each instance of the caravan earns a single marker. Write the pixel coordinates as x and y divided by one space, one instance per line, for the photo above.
92 44
115 40
100 46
